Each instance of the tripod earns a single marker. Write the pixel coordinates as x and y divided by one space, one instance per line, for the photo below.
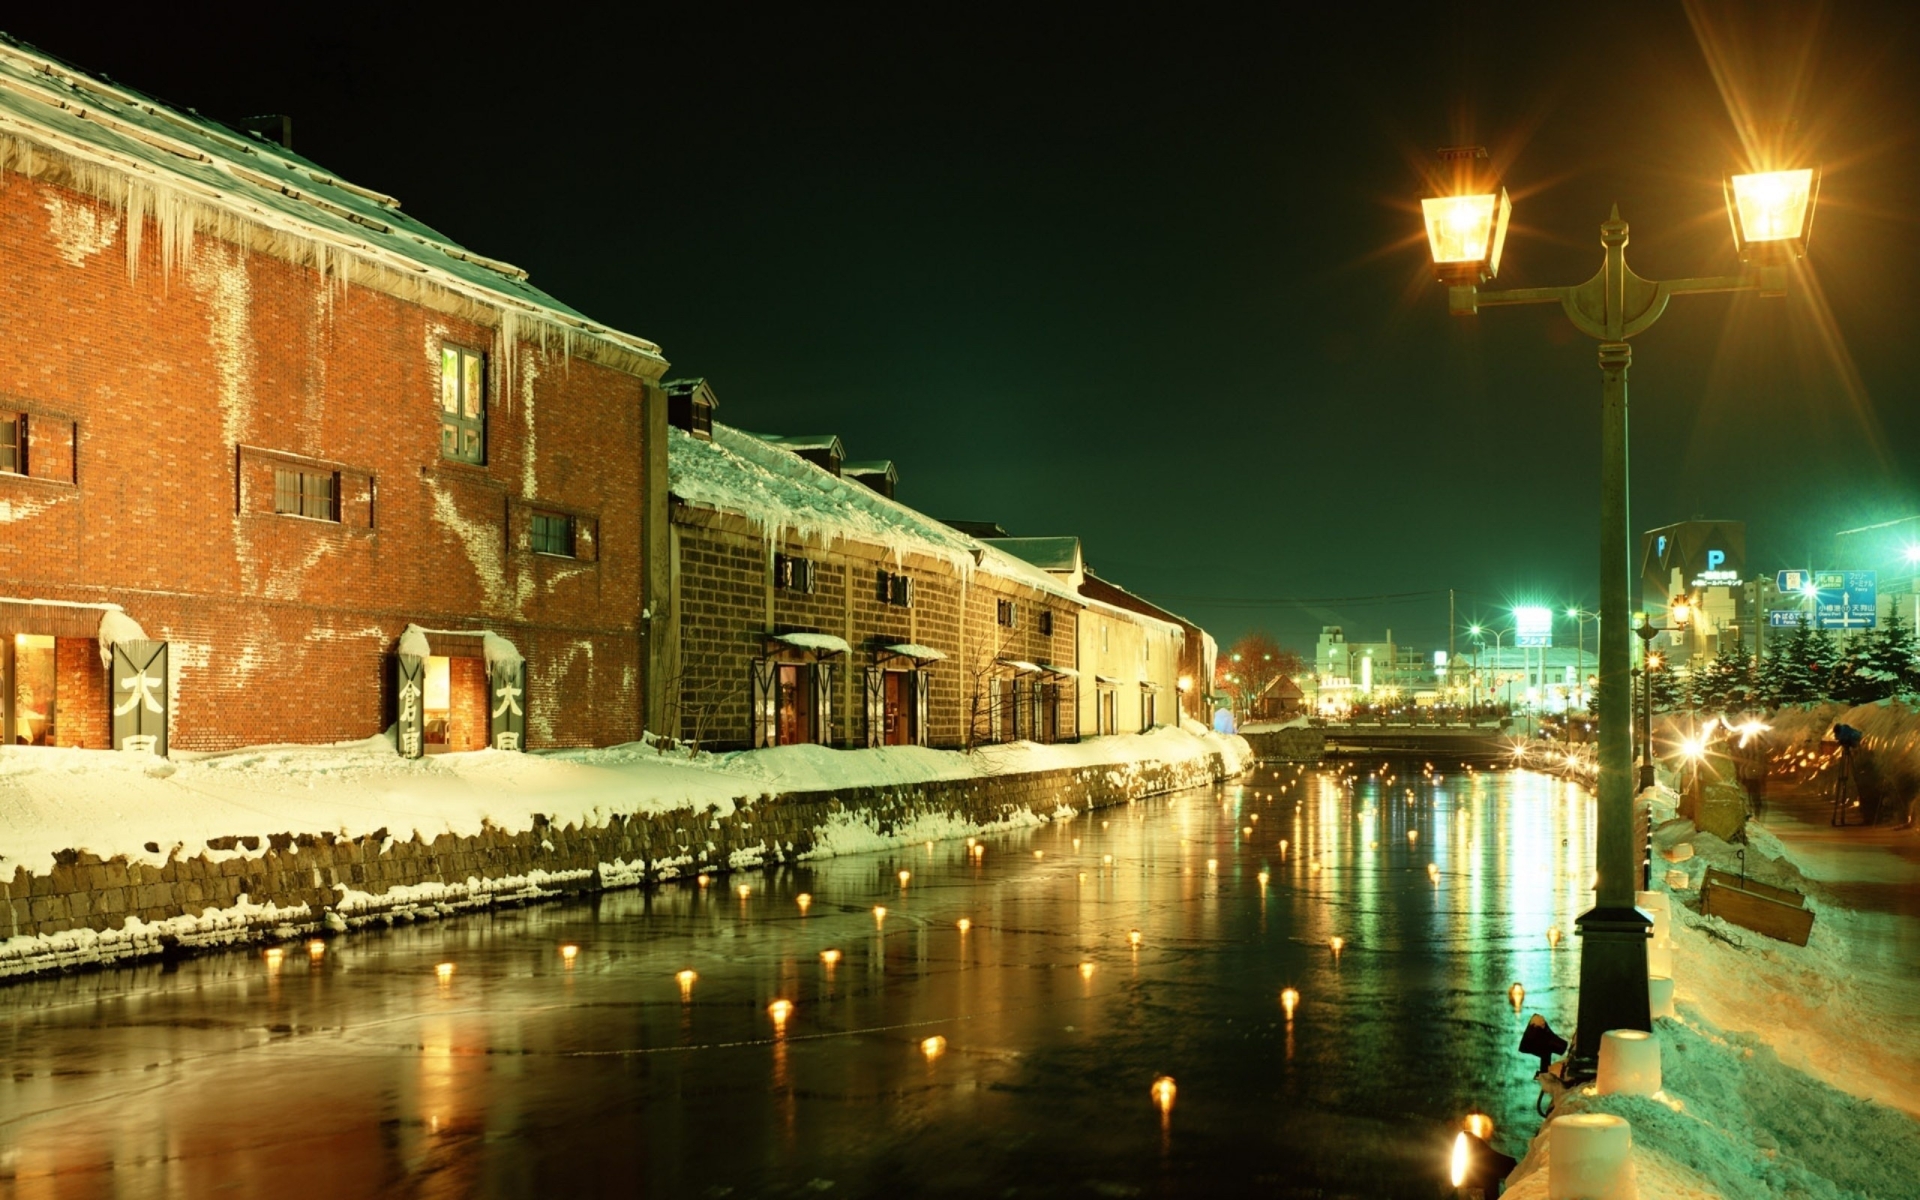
1846 788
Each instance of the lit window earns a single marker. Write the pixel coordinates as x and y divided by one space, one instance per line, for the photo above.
463 405
553 534
310 494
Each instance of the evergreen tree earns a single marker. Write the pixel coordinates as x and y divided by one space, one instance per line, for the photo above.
1823 664
1793 679
1879 664
1770 678
1726 683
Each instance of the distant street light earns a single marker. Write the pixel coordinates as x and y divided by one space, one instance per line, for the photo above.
1772 216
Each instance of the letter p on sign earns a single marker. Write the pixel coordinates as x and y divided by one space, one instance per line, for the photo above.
1715 558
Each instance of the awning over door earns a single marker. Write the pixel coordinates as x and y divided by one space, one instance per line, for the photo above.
915 651
816 644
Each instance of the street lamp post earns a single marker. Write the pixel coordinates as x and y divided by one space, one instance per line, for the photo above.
1771 215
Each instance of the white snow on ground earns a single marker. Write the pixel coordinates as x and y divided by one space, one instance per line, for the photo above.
114 803
1789 1072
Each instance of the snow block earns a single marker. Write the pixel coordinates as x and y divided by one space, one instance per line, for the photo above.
1629 1063
1588 1156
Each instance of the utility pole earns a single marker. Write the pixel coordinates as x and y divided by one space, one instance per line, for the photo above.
1450 620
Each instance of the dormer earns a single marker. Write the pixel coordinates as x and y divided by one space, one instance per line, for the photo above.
877 473
690 405
823 450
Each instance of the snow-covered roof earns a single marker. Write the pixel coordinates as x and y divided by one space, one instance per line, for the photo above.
742 474
871 466
1048 553
806 441
158 161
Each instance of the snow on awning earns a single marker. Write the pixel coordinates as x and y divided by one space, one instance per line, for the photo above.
818 643
1020 665
1106 679
117 626
496 650
1062 672
916 652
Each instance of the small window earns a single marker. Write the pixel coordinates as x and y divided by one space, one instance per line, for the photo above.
792 573
312 494
13 443
1006 613
463 405
896 590
553 534
1046 622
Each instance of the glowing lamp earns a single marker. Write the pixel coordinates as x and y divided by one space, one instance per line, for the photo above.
979 851
568 953
1457 1166
934 1046
1289 1000
444 971
780 1010
745 890
1466 234
1283 847
685 979
1264 877
879 913
1772 212
904 876
803 900
316 949
1478 1124
1912 554
1660 996
1553 935
702 879
964 924
1517 995
1681 611
1629 1063
1163 1091
1336 943
273 955
1413 835
1587 1155
829 957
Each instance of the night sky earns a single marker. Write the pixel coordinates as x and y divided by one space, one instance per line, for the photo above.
1159 284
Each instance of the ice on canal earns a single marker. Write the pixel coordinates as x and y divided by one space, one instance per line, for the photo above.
962 1017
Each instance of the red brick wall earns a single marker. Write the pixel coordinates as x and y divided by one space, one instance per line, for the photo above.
467 699
82 716
281 625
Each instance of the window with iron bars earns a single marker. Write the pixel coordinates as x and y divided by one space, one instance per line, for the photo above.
792 573
1007 613
311 494
553 534
13 443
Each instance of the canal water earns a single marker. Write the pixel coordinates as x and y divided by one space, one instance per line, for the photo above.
1015 1057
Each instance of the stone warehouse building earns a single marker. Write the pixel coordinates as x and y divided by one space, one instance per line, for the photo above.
810 606
296 465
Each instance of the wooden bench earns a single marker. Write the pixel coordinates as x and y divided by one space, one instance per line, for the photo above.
1776 912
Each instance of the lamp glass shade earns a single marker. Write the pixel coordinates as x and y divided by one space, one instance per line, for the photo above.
1772 206
1463 230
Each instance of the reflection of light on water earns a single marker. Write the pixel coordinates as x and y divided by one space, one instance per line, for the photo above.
568 953
686 979
829 957
964 924
934 1046
1163 1092
879 914
1289 1000
804 900
1517 995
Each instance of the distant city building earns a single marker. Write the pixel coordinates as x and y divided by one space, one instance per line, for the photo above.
1705 561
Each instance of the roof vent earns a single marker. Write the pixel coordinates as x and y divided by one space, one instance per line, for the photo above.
273 127
878 474
690 405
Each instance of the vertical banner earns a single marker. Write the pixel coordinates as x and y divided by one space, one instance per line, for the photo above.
876 706
409 692
922 684
139 683
766 700
823 703
507 713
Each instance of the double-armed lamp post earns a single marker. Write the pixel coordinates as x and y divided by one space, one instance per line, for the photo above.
1772 214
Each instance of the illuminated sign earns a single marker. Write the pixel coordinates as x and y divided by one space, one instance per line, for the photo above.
1533 626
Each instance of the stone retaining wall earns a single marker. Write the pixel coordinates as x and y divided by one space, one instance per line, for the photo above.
88 911
1288 745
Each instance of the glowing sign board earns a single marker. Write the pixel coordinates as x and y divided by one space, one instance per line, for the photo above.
1533 626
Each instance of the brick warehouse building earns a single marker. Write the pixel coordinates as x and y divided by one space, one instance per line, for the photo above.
335 462
810 607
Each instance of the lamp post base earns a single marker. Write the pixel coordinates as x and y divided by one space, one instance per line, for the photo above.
1646 777
1613 982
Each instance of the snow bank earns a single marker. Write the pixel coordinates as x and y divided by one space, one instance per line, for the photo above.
148 808
1789 1070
